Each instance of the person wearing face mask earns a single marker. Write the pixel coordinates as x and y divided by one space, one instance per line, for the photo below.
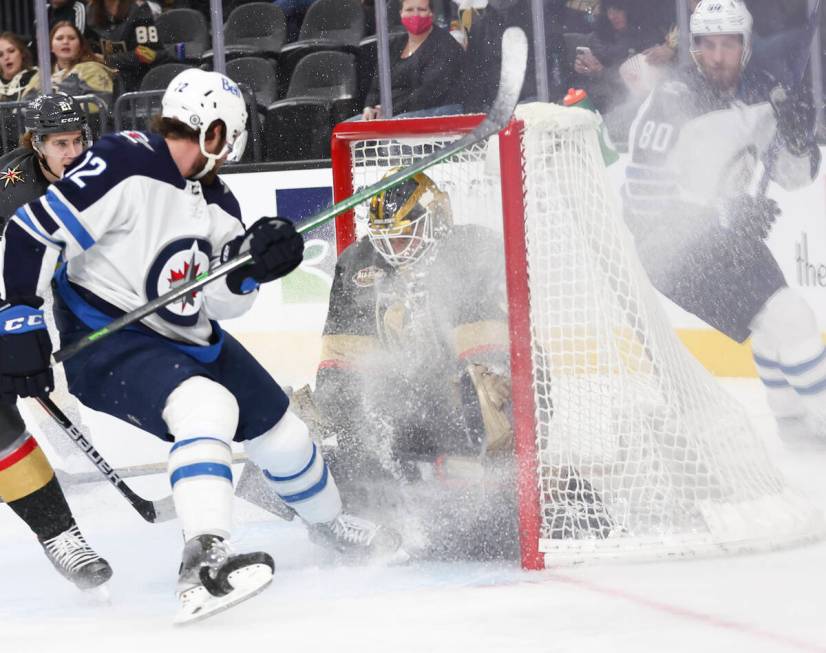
75 69
425 68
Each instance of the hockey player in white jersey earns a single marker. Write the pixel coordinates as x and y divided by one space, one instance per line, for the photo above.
695 148
137 215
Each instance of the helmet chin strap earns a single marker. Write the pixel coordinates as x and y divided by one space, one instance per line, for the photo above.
42 157
211 159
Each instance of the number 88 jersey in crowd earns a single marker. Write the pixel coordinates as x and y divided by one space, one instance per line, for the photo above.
131 44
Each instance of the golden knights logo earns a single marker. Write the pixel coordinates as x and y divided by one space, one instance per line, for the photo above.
11 176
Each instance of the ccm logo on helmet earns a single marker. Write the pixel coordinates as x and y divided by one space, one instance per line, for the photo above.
17 323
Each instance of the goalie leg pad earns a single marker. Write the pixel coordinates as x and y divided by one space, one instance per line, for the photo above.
293 463
202 416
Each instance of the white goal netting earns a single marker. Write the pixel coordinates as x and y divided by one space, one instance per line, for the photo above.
639 452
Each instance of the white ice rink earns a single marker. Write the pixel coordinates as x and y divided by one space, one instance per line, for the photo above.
771 602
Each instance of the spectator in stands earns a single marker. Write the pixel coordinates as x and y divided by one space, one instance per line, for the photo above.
580 15
294 11
128 39
76 70
426 67
16 67
617 38
484 52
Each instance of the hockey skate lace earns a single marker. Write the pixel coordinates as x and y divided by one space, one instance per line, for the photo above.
354 530
69 550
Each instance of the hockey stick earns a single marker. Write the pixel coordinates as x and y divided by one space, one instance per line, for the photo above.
514 57
151 511
799 72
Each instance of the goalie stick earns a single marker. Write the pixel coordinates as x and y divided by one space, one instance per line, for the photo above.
511 77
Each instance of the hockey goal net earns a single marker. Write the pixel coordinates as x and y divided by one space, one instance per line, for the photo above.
626 446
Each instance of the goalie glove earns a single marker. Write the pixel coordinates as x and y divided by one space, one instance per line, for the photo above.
750 217
25 354
795 119
276 248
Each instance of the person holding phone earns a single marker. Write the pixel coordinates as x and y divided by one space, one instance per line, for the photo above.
616 38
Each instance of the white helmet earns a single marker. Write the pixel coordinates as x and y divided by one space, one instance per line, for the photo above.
198 98
722 17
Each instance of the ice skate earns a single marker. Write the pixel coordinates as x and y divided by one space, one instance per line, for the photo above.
359 539
75 559
212 579
802 433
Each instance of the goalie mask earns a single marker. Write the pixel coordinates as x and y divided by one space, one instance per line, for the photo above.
405 222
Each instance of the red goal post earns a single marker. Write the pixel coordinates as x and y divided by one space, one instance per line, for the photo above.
513 215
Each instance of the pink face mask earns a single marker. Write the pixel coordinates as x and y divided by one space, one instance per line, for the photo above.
417 24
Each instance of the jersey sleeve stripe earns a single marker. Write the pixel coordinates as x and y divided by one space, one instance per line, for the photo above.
65 214
39 213
35 230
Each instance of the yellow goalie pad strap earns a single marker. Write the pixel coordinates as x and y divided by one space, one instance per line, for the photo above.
480 336
494 393
25 476
346 350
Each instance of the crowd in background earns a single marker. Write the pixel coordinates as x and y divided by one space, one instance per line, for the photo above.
444 54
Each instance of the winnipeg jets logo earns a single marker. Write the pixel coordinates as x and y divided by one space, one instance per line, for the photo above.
178 263
180 277
11 176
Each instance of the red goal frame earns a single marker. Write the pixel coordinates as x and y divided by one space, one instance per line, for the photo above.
516 265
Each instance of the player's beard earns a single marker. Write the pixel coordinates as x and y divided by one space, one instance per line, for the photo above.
723 81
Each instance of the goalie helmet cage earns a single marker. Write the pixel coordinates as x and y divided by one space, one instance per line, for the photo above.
627 448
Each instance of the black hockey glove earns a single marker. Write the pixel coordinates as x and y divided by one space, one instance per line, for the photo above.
25 354
276 247
751 217
795 118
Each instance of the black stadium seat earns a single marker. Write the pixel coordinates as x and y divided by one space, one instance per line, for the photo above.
253 29
158 77
187 27
328 25
322 92
259 75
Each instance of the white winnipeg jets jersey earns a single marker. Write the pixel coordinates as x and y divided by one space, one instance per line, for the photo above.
129 228
692 147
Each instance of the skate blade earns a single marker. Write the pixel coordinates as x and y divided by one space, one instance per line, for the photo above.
198 603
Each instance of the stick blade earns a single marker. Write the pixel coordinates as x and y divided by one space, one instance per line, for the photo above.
164 510
511 76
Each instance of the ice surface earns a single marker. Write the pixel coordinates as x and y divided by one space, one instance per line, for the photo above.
771 602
